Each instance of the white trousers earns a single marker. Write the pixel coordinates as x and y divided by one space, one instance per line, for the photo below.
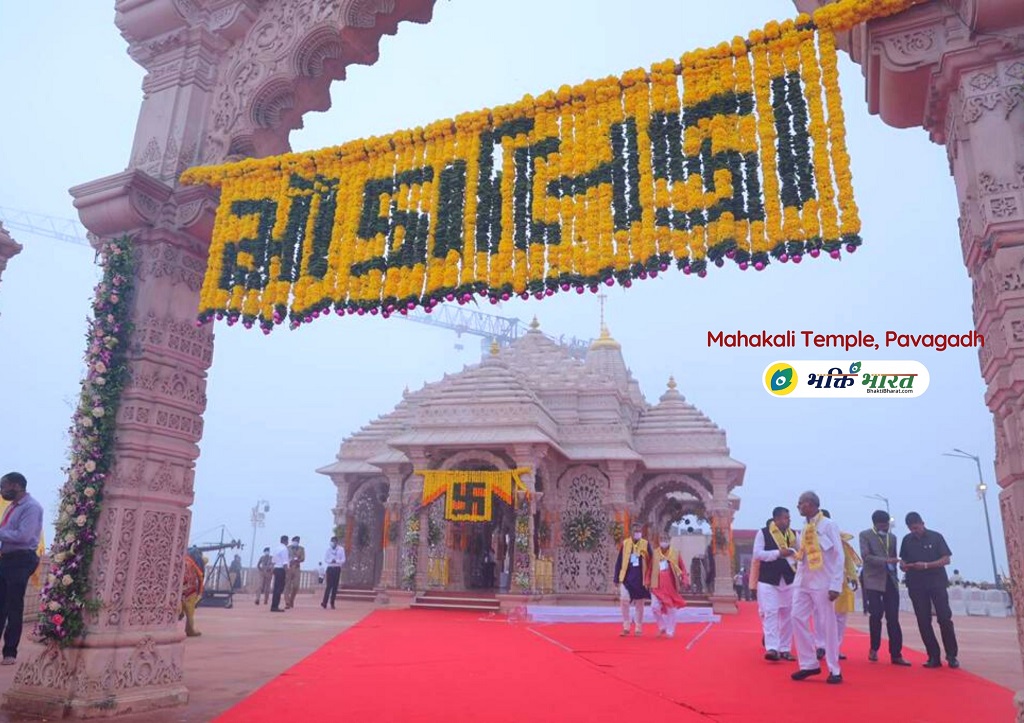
808 604
819 638
664 616
775 603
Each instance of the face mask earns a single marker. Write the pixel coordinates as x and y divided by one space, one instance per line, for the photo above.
664 546
8 495
636 535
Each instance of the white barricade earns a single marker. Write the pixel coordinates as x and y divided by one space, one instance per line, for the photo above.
957 600
976 604
998 603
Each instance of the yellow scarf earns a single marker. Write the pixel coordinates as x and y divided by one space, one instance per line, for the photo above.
845 602
782 539
810 548
672 561
643 550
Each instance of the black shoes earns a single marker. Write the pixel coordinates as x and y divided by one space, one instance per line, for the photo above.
820 652
787 656
802 674
901 661
932 663
873 656
771 655
834 678
953 662
323 605
842 657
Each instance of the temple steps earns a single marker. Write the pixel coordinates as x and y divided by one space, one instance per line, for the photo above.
441 600
355 595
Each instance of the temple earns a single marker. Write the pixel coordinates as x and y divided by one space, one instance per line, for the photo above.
599 457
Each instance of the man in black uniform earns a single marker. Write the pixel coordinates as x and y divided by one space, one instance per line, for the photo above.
924 555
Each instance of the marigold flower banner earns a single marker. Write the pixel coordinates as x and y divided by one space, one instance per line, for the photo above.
468 494
736 152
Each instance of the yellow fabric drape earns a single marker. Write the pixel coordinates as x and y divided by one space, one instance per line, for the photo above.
499 483
851 561
810 547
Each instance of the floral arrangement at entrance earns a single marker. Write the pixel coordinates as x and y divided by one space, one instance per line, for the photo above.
583 532
65 594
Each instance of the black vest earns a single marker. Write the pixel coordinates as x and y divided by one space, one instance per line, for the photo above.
772 573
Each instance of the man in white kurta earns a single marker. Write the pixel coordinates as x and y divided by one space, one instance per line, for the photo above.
775 580
819 580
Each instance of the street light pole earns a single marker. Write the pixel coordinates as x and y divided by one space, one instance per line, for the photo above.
258 516
877 496
982 489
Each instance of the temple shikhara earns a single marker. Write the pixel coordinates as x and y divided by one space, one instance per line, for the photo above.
598 454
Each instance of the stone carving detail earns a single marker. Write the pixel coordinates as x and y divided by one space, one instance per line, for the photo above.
181 338
165 260
1013 527
53 669
114 603
365 552
149 159
985 91
1003 207
178 385
151 602
584 571
913 43
1017 331
989 185
101 558
256 85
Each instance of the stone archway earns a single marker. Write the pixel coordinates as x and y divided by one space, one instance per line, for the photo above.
224 80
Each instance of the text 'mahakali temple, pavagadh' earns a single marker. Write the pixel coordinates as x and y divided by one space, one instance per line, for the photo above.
591 455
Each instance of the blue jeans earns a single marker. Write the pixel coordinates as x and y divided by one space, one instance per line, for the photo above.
15 570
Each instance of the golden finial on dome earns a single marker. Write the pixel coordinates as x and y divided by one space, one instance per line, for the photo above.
494 347
672 382
535 324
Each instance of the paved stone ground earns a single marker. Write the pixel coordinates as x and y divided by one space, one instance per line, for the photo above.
246 646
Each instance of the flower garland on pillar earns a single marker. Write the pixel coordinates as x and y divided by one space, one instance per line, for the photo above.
65 595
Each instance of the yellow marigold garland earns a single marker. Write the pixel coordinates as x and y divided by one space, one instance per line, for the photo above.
601 183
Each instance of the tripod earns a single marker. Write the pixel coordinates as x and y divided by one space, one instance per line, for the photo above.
217 589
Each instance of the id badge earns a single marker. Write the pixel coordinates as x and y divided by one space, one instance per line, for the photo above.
663 565
634 560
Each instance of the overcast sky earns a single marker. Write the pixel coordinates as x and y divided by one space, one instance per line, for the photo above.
279 406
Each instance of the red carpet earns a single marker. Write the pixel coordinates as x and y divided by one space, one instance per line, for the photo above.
411 665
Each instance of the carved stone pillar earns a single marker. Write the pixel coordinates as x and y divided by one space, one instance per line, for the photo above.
389 578
9 248
132 653
523 556
955 69
723 599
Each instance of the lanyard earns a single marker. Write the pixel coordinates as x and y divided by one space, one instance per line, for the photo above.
7 513
886 541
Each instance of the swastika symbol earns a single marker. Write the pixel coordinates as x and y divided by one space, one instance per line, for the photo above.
469 498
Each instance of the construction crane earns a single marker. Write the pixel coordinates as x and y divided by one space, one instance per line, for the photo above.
491 327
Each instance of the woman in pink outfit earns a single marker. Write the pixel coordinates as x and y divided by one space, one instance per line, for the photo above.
668 577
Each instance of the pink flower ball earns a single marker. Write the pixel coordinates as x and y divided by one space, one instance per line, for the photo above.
566 287
784 258
815 253
449 297
505 297
199 324
550 292
580 289
663 267
411 305
374 310
494 300
360 311
339 311
686 270
538 295
266 331
730 254
642 275
850 248
702 273
627 283
744 265
654 274
797 258
609 281
759 266
834 253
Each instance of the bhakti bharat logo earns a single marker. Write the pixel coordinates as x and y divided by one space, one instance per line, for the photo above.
846 379
780 379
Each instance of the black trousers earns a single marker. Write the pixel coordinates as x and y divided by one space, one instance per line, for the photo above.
275 597
924 600
885 604
331 589
15 570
